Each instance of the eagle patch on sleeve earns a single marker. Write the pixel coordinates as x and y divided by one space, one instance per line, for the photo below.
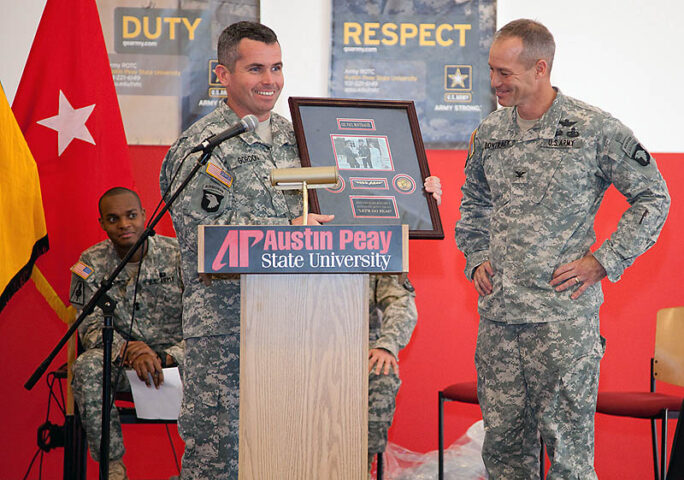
635 151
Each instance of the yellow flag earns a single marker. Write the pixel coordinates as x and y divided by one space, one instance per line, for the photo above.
23 234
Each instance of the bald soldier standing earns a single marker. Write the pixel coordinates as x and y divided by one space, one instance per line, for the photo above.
536 173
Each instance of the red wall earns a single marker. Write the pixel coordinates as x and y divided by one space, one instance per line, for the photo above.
441 350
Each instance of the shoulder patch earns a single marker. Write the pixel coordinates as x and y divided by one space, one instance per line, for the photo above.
212 198
635 151
82 270
471 145
77 294
641 156
219 174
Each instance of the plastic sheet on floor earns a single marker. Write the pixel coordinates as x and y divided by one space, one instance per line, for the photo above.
462 460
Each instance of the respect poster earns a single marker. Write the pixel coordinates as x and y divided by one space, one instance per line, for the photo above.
433 52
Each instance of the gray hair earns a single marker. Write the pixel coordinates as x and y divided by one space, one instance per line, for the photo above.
537 40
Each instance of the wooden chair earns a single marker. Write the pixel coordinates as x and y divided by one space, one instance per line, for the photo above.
667 365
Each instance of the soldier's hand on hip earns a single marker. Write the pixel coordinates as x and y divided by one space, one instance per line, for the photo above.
581 273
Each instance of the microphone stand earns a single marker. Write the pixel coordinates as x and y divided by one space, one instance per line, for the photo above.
107 305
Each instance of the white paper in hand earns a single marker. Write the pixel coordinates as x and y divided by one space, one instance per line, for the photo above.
161 403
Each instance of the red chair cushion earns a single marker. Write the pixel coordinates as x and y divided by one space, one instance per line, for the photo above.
461 392
637 404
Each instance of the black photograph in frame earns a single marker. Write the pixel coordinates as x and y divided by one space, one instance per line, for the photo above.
379 153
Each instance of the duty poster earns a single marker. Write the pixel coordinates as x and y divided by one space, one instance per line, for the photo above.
163 55
433 52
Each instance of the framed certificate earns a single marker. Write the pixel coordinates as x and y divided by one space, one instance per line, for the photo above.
379 152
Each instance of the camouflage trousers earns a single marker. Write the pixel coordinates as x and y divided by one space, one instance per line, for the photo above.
539 379
209 417
382 393
87 390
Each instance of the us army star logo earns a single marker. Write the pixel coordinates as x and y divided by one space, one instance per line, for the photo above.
458 79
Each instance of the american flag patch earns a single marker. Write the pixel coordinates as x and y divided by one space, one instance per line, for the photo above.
219 174
82 270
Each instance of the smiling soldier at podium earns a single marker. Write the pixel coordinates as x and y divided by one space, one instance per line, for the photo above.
231 190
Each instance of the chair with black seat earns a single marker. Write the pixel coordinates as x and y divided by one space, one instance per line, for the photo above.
76 448
465 392
76 453
667 365
458 392
126 409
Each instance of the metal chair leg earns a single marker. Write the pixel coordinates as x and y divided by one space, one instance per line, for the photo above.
656 456
663 446
75 448
440 430
675 469
379 467
542 460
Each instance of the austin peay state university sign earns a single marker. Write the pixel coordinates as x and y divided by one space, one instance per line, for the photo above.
303 249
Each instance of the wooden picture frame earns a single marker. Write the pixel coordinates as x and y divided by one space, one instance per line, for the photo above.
379 152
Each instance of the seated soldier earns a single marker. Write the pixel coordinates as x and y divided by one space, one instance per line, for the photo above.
149 343
391 320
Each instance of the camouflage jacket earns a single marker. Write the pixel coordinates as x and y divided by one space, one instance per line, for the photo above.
392 313
530 199
158 302
232 189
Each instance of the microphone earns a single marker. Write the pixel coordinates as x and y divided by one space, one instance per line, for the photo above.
247 124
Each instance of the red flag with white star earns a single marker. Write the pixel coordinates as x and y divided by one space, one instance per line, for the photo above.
67 108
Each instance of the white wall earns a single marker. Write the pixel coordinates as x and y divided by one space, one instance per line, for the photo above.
18 24
621 55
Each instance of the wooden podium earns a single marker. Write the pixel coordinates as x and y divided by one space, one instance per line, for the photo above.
304 342
303 379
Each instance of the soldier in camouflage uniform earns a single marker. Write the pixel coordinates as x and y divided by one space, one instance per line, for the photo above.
154 339
233 189
392 318
535 176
